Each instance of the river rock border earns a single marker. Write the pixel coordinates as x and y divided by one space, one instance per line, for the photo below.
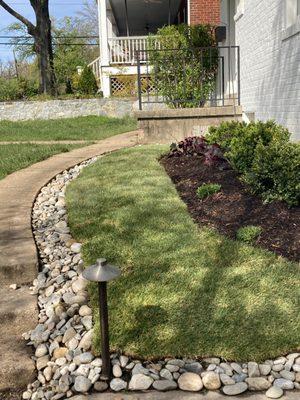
63 337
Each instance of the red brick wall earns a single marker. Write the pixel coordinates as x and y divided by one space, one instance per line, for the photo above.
205 12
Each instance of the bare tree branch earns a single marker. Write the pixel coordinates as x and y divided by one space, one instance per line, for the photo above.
25 21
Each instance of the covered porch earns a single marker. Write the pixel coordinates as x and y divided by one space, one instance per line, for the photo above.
124 26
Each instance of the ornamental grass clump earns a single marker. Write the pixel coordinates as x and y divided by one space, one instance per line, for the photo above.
248 234
207 189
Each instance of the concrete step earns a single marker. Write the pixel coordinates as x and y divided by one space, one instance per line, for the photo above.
18 314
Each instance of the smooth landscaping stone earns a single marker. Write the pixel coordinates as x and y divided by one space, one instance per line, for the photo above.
164 385
123 361
116 370
42 362
258 383
139 369
234 390
226 380
83 358
253 370
176 361
82 384
288 375
195 367
118 384
236 367
140 382
166 374
100 386
211 381
76 247
284 384
190 381
264 369
41 350
274 392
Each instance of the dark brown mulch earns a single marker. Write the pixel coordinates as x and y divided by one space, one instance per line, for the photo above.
234 206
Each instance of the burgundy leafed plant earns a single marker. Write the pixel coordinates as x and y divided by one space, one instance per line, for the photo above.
198 146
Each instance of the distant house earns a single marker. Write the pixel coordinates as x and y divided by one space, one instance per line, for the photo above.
267 75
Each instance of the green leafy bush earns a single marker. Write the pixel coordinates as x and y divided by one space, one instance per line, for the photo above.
248 234
262 154
207 189
87 83
239 140
275 172
183 68
17 89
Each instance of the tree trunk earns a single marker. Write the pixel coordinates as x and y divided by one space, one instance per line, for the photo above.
43 47
41 32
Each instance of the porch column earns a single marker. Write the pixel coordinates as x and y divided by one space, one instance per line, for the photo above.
104 50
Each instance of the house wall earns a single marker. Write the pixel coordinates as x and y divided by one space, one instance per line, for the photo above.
270 63
204 12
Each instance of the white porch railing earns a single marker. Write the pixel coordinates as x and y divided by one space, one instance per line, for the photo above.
96 68
122 50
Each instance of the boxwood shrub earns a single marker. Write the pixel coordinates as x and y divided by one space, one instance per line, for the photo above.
262 154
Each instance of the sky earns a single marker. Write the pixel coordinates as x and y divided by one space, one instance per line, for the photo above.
58 9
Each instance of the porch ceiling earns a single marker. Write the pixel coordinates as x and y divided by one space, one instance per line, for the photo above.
144 16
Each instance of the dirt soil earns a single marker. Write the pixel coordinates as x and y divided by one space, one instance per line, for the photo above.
234 207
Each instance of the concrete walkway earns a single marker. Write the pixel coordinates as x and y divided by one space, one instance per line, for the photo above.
18 254
178 395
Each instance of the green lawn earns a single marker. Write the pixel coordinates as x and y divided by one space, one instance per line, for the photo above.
184 291
17 156
81 128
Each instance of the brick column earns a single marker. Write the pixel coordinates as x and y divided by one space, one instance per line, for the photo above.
205 12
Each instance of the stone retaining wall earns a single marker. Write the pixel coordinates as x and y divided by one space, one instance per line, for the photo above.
54 109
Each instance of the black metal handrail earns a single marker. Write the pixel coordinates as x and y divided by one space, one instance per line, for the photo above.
214 80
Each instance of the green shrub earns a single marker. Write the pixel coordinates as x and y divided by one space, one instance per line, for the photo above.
183 68
17 89
8 89
87 83
262 154
275 172
207 189
249 233
239 140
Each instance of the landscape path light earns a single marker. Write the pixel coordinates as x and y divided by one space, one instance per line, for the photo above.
102 272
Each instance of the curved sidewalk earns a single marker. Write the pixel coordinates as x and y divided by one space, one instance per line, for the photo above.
18 254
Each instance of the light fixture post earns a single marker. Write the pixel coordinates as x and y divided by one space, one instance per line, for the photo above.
101 273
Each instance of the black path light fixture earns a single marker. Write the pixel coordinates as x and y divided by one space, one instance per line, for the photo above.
102 272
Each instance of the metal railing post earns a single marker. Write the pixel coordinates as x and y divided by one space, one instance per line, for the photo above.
139 79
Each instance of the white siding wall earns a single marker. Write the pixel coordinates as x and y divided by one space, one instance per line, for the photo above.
270 66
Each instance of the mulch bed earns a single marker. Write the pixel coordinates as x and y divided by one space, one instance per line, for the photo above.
234 207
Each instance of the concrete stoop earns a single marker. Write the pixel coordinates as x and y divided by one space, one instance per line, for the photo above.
18 313
170 125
